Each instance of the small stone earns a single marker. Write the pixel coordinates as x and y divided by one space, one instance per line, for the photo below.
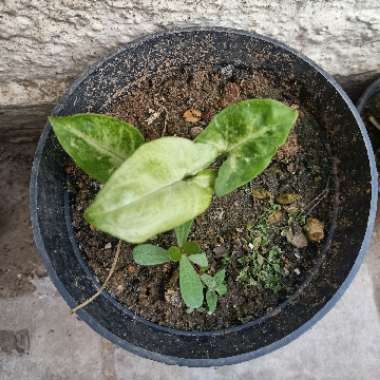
297 271
291 168
195 131
232 93
237 243
275 217
108 246
40 272
219 251
173 297
260 193
192 115
131 269
287 198
296 239
292 210
68 168
314 229
153 117
290 148
120 289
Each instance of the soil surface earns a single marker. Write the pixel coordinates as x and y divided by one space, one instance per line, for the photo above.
258 233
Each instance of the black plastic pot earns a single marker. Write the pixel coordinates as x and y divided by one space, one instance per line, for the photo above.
372 90
364 105
354 178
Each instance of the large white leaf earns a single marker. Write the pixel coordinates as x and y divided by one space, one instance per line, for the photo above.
155 190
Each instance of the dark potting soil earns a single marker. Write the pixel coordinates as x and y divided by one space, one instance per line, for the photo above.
253 218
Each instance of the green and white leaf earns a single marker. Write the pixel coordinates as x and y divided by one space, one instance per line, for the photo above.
155 190
182 232
200 259
98 144
190 284
148 254
249 132
212 300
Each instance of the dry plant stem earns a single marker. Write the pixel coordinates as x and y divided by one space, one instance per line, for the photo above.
89 300
375 123
317 200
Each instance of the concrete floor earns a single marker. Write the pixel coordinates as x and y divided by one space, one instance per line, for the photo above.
40 340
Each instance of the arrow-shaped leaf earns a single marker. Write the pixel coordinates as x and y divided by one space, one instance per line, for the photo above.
98 144
250 132
155 190
190 284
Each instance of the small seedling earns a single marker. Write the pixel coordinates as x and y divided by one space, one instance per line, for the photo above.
188 254
263 265
266 272
216 288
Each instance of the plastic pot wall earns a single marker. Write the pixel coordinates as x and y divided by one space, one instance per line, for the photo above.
354 179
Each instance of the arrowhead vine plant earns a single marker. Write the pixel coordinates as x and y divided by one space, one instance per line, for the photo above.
153 187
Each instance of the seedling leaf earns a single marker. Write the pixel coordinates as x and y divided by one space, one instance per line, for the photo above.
148 254
174 253
191 247
211 299
200 259
190 284
182 232
219 277
208 281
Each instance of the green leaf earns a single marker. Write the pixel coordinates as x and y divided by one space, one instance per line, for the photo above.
208 280
182 232
221 289
249 132
212 300
219 276
191 247
155 190
190 284
98 144
174 253
200 259
148 254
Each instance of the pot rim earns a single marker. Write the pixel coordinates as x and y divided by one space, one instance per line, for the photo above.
85 316
370 91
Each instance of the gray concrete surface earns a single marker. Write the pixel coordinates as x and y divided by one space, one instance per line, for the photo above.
40 340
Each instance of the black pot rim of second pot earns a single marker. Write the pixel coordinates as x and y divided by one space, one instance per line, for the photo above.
88 318
370 91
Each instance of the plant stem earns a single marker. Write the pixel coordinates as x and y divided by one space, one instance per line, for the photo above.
89 300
